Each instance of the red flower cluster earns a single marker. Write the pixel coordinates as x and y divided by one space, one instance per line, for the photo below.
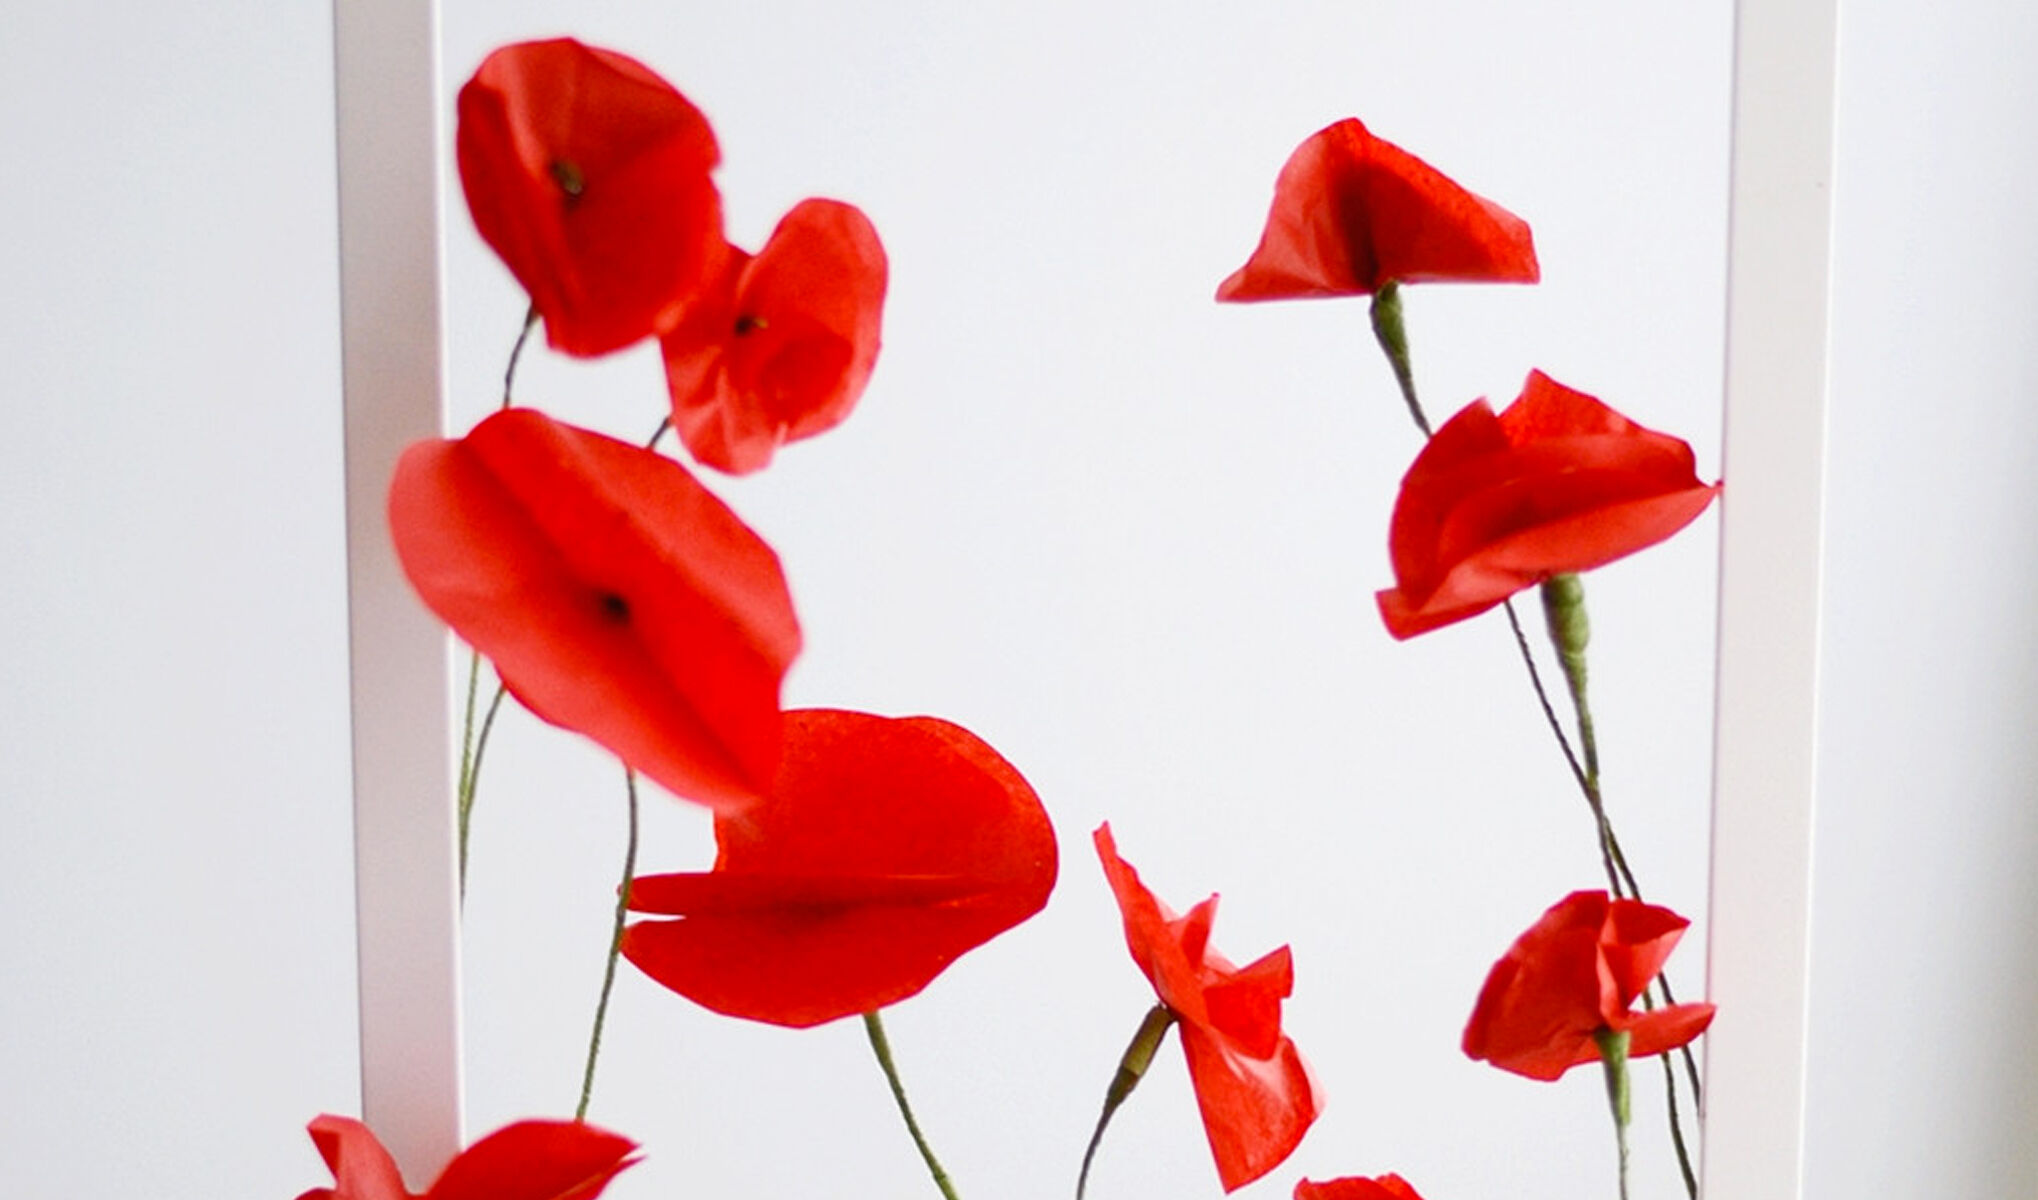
615 595
589 176
1576 971
530 1160
1385 1187
1256 1093
886 848
1353 213
1495 504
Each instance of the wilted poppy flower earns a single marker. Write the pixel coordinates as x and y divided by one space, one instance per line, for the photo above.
588 174
615 595
1576 971
780 347
1386 1187
1557 483
530 1160
1353 213
1255 1092
887 848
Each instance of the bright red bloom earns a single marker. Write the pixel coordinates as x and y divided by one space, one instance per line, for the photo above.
1557 483
615 595
1256 1093
1352 213
780 347
887 848
588 174
1576 971
1386 1187
530 1160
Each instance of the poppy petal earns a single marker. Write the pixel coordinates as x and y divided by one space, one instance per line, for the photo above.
1386 1187
615 595
1352 213
1255 1110
785 344
588 175
885 849
361 1167
536 1160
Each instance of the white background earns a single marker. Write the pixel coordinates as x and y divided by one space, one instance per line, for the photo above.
1127 535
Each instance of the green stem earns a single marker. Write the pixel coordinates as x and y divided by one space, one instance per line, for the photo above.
1613 1056
1393 338
1677 1127
608 979
470 775
882 1047
1132 1067
509 373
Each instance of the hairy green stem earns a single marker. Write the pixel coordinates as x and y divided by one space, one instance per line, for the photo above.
1613 1056
882 1047
1132 1067
608 979
1393 338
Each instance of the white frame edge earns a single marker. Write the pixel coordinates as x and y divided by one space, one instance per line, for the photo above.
406 875
1765 726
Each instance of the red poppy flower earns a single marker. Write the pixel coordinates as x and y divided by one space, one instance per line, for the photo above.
1352 213
530 1160
615 595
588 174
781 346
1255 1092
1576 971
887 848
1559 482
1386 1187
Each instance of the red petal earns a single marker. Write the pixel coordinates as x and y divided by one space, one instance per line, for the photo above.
898 845
786 354
1635 942
612 258
536 1160
1386 1187
1245 1006
1667 1028
614 594
1557 483
1155 936
362 1169
1541 1002
1352 212
1255 1110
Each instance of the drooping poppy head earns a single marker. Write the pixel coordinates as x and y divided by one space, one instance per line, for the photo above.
1557 483
1352 213
529 1160
1385 1187
1256 1094
886 848
616 596
588 175
1576 971
781 346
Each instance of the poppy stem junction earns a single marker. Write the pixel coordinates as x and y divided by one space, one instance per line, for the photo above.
608 979
1393 338
1613 1056
882 1047
1131 1069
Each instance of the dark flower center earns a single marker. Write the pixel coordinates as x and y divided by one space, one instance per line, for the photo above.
614 607
747 324
567 175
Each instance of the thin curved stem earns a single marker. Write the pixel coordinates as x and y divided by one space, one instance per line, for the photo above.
882 1047
608 979
1677 1128
658 433
1609 845
470 776
509 374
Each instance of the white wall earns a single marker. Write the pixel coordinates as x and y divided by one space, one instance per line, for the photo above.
1924 1058
1127 535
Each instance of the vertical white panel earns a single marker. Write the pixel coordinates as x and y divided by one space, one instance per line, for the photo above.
386 64
1777 299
